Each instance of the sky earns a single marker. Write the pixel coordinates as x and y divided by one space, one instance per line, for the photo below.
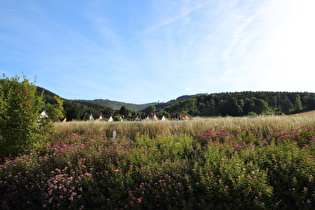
139 51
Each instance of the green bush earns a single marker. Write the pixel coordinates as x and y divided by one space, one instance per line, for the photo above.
117 118
19 113
252 114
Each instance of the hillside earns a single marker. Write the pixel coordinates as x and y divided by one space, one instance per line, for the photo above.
115 105
162 106
74 109
217 104
244 103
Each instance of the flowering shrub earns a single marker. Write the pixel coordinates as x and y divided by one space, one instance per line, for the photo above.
216 169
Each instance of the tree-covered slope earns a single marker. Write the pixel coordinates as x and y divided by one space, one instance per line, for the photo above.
116 105
162 106
75 109
244 103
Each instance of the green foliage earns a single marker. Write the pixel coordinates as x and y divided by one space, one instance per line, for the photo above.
252 114
54 111
19 112
117 118
81 110
165 113
297 103
151 109
242 103
115 105
124 111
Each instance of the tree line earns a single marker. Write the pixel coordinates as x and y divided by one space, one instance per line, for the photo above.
246 103
218 104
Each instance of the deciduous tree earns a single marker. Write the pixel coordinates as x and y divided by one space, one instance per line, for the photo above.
20 124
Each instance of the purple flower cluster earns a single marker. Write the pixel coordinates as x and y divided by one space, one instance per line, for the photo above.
216 169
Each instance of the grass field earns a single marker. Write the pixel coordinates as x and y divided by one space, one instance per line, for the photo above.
266 162
264 124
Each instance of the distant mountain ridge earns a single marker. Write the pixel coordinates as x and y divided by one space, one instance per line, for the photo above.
116 105
162 106
202 104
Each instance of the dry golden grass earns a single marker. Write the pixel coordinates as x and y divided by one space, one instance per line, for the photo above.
264 124
305 114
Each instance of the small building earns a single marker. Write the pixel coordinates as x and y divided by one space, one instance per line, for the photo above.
161 117
43 115
179 116
152 116
96 116
145 118
184 116
109 118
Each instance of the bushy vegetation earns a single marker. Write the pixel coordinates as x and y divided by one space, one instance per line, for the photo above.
214 169
21 127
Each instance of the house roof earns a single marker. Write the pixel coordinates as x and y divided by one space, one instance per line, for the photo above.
96 116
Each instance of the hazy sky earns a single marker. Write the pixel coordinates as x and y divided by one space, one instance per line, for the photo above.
141 51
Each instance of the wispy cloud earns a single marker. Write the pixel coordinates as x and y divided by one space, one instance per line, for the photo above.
160 49
183 12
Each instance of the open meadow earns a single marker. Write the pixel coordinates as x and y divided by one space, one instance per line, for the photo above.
264 124
203 163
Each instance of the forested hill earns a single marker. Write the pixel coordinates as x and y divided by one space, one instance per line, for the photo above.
115 105
162 106
244 103
74 109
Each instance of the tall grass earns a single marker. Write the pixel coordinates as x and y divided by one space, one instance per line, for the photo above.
264 124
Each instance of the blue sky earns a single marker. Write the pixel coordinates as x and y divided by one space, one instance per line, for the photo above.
139 51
